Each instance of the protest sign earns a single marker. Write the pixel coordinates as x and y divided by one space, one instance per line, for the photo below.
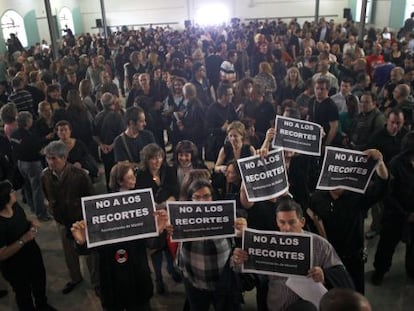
277 253
264 178
200 220
347 169
298 135
120 216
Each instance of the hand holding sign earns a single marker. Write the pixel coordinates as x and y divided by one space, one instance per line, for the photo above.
120 216
381 168
201 220
298 135
264 150
374 154
349 169
239 256
79 232
316 273
277 253
161 217
240 224
264 178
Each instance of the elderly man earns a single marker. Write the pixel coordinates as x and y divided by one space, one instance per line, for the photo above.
64 185
396 78
401 100
289 218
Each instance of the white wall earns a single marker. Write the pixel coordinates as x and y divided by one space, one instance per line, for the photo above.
126 12
21 6
286 8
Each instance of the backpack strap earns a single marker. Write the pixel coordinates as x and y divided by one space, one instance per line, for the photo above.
123 138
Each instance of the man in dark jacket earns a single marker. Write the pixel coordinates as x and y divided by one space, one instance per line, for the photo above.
398 220
339 215
219 116
388 141
64 185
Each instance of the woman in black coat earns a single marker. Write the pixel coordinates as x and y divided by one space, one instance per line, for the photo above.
125 277
20 255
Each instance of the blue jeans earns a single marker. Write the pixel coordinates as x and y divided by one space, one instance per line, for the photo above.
33 192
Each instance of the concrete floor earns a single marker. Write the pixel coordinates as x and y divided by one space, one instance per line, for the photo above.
396 293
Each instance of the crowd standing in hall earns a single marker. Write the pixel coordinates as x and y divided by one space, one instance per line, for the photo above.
209 95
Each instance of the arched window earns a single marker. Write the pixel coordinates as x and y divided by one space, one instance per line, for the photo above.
66 20
12 23
409 8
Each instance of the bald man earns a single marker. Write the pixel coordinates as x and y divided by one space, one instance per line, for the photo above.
342 299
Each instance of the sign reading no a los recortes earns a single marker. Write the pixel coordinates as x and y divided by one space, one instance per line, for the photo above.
298 135
202 220
264 178
347 169
277 253
118 217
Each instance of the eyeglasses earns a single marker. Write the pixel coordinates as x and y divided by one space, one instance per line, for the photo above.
201 197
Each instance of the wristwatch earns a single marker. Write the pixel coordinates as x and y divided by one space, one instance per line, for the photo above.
21 242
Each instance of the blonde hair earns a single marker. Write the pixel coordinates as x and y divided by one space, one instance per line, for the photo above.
299 79
238 127
265 67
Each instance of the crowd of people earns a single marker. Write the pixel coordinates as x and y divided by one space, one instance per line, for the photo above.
210 97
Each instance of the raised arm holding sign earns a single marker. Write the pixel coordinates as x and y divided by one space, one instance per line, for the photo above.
339 215
264 178
298 135
349 169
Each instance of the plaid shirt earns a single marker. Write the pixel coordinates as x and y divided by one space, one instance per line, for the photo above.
202 262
